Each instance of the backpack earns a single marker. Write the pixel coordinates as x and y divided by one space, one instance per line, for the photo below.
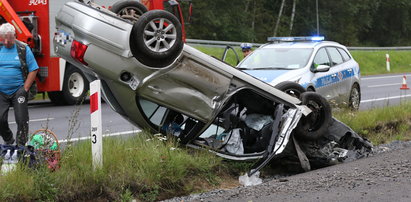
21 50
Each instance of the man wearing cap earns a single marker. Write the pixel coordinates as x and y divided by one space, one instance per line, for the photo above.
246 48
13 87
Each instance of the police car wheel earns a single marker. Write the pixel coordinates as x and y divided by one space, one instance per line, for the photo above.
355 97
314 125
130 10
291 88
156 38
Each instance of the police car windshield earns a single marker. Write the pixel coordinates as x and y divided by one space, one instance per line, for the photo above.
277 58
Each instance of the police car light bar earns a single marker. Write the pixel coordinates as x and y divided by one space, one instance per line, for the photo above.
298 38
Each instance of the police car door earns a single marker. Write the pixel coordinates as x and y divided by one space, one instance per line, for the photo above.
325 83
343 72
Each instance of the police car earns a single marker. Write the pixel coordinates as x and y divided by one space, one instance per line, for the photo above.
316 65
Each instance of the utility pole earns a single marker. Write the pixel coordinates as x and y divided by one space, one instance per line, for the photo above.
318 23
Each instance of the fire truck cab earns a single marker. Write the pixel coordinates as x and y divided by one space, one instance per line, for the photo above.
34 21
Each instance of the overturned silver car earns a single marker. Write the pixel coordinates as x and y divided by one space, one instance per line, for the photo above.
157 82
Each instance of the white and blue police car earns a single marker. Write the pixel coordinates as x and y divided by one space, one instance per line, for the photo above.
316 65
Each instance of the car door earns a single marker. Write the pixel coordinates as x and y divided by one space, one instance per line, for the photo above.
325 83
342 71
351 69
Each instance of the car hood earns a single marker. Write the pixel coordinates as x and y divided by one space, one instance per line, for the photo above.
273 77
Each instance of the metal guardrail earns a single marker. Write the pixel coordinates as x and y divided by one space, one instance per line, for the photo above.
217 43
381 48
233 43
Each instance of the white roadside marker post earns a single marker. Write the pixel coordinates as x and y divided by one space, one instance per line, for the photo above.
388 62
96 125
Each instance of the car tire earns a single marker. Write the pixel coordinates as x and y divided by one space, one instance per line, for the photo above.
355 97
75 88
314 125
291 88
130 10
156 38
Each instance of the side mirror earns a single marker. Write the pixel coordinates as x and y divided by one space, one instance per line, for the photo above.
321 68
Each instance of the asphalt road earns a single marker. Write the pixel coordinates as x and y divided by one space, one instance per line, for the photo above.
383 90
72 122
377 91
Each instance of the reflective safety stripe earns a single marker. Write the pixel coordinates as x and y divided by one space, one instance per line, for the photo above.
329 79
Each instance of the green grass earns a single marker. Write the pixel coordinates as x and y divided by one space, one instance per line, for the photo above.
142 166
218 53
374 62
380 125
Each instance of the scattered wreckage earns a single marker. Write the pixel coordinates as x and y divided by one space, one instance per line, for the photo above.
157 82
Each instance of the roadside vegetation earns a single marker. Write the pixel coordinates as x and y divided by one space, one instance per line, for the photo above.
371 62
380 125
153 167
145 167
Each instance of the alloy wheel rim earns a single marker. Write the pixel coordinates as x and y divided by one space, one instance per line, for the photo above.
355 98
160 35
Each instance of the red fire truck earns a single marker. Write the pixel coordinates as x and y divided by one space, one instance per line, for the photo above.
35 25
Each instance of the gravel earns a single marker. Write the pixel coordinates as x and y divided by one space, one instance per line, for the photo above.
383 176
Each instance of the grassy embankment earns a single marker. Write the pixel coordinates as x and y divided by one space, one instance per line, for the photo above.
148 168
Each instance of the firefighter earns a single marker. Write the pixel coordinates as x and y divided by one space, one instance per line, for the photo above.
15 84
246 48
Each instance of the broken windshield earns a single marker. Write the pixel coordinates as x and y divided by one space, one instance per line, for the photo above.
277 58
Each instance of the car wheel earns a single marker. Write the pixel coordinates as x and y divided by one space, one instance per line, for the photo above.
130 10
291 88
355 97
156 38
75 88
315 125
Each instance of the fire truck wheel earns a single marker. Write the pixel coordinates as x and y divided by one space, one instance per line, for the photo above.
314 125
75 88
130 10
156 38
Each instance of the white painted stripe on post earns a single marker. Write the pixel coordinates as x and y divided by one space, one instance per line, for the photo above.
96 125
388 62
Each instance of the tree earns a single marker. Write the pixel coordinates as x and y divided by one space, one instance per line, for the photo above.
279 17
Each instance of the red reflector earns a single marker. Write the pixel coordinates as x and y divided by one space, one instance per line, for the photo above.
77 51
93 103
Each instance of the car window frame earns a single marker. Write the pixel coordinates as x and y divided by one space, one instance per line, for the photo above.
329 55
339 49
315 55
